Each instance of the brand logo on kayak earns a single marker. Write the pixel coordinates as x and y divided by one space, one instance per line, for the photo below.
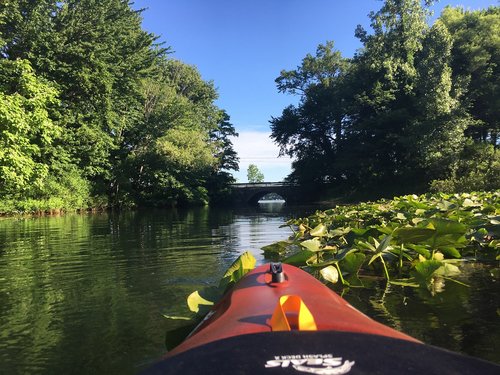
324 364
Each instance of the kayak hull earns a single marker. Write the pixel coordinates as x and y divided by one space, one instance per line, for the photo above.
248 307
238 336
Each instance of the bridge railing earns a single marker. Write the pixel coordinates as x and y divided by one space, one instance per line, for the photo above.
263 184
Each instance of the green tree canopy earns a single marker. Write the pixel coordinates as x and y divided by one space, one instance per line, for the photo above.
90 101
254 175
403 112
181 142
27 134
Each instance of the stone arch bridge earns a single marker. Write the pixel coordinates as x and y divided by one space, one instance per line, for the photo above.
251 193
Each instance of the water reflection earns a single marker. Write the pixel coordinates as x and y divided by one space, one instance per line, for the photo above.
272 206
85 293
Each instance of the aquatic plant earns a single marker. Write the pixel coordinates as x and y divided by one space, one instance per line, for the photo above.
417 241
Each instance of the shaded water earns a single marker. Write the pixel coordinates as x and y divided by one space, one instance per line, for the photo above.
85 293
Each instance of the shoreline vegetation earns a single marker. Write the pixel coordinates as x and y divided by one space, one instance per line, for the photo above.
95 113
414 241
410 241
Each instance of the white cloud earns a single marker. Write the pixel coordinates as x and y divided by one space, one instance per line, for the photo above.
257 148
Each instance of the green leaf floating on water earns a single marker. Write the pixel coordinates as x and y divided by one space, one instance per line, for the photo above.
194 301
319 231
313 244
279 247
352 263
408 239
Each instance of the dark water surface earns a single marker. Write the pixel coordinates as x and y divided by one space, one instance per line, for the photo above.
84 294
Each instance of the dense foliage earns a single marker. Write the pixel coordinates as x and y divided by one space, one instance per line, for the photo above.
93 112
411 240
415 108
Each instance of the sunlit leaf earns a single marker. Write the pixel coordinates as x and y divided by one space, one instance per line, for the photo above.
240 267
330 274
470 203
384 244
407 282
319 231
385 230
438 256
365 245
448 270
176 317
446 226
360 231
339 232
419 249
313 244
194 301
329 248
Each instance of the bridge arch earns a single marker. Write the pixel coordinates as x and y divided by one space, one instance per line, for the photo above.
254 200
251 193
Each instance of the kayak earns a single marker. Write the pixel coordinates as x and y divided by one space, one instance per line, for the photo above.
278 319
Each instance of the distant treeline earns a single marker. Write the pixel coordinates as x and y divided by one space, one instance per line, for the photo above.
416 108
93 113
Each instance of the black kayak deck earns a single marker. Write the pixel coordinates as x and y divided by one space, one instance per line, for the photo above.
320 352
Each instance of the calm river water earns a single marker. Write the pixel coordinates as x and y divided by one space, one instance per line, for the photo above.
85 294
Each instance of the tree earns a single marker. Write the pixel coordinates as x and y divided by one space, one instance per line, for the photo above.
27 134
312 133
96 53
220 138
33 166
382 102
475 78
401 109
218 184
254 175
172 154
476 69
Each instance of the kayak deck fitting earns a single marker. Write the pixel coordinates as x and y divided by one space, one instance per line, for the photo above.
279 319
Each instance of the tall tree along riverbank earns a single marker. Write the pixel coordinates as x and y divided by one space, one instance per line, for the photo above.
416 108
93 112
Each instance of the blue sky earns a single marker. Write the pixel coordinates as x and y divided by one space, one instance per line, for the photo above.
243 45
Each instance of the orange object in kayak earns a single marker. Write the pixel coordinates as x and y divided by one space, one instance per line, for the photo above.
281 320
